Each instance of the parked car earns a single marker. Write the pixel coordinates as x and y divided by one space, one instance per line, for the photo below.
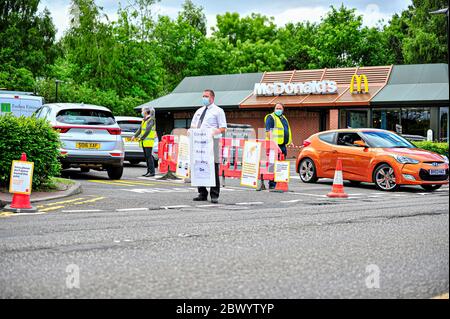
89 135
19 103
371 155
133 152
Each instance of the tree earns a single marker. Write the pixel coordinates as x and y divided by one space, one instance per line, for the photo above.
27 43
253 28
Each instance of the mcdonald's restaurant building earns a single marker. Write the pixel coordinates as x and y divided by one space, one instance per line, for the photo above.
408 99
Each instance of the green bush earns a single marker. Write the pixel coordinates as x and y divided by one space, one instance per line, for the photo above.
34 137
440 148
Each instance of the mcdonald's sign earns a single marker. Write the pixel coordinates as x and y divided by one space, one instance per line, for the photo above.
359 79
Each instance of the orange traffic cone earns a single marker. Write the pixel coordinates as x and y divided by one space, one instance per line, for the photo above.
337 191
281 187
21 202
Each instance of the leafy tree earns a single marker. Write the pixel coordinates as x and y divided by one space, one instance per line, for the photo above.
253 28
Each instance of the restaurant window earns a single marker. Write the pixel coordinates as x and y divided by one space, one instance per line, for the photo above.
182 123
416 121
354 118
386 119
443 124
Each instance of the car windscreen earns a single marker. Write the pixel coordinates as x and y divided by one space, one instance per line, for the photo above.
85 117
129 126
386 140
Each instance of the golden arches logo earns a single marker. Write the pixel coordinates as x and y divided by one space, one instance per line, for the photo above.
359 79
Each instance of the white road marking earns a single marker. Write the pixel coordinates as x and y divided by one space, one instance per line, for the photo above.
210 205
131 209
291 201
175 206
160 190
250 203
307 194
82 211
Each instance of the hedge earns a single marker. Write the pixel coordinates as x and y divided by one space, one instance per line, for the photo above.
37 139
440 148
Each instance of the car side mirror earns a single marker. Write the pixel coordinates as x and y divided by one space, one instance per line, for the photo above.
360 144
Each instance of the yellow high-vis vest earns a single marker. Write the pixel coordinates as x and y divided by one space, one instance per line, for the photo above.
278 130
150 139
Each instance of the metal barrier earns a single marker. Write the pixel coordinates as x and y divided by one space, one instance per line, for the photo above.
230 156
167 153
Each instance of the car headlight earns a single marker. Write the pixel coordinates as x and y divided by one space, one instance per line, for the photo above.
445 159
406 160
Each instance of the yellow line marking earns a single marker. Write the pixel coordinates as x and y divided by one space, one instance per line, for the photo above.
89 201
58 203
51 208
5 214
444 296
134 183
106 182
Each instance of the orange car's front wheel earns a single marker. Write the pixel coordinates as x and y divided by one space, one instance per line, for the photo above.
384 178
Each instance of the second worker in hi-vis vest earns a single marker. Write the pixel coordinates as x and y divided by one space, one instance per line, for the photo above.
279 131
146 136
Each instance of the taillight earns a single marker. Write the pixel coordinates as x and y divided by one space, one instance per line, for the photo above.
306 143
116 154
61 129
114 131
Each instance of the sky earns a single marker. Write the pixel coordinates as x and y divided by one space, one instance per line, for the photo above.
283 11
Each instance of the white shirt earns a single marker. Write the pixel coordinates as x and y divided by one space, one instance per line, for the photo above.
214 117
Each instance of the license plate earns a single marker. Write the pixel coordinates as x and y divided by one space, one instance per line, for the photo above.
127 139
437 171
90 146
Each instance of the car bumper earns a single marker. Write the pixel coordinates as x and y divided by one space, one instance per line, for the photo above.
412 174
85 160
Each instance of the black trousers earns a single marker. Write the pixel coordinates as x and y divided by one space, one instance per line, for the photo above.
149 159
214 191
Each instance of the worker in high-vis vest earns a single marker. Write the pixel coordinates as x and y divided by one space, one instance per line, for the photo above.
146 136
279 131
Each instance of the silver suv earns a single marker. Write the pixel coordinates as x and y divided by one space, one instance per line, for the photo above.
89 135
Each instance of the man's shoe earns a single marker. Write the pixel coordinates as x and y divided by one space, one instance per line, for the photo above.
200 199
145 174
214 200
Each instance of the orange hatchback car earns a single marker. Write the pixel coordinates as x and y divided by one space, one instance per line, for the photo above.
373 156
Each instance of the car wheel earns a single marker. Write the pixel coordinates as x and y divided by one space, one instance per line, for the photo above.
85 170
429 187
134 162
384 178
115 172
307 171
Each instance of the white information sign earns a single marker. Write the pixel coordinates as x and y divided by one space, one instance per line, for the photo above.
250 164
282 170
202 158
183 161
21 177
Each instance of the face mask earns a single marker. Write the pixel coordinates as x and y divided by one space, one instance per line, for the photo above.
143 114
205 101
278 112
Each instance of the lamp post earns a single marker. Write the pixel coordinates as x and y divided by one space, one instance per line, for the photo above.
56 92
445 11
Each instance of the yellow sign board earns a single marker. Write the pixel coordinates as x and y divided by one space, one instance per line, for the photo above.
21 177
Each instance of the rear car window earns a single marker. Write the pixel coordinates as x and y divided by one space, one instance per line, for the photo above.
129 126
327 137
85 117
